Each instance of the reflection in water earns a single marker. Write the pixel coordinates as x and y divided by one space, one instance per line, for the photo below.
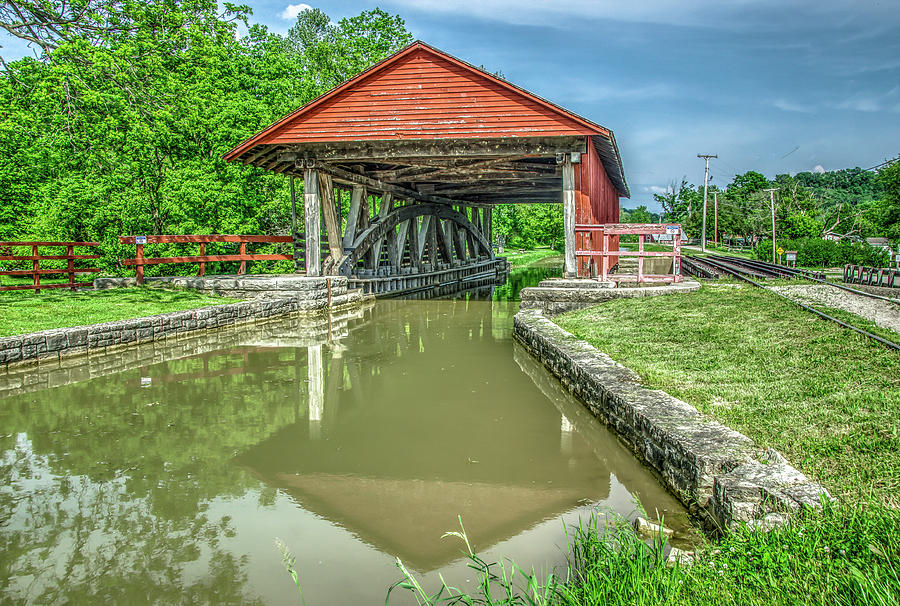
164 474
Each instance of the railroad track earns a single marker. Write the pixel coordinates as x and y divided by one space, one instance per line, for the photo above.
750 271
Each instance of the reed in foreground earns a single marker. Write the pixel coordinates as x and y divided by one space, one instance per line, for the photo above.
842 555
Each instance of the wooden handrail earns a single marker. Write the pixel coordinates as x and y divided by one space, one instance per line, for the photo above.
140 261
641 230
6 254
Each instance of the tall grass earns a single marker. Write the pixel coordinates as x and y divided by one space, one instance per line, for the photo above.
842 555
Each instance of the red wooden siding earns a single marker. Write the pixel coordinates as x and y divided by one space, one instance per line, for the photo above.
423 95
596 202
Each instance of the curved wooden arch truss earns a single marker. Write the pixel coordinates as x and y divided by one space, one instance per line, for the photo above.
415 237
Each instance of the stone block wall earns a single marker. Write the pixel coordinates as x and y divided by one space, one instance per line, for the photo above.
50 345
720 474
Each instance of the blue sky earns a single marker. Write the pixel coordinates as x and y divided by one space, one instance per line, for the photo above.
768 85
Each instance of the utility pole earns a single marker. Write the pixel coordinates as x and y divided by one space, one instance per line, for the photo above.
705 186
716 212
772 191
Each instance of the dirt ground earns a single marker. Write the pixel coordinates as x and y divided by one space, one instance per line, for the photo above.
882 313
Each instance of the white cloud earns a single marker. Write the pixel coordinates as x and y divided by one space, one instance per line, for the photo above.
790 106
655 189
292 10
819 169
873 102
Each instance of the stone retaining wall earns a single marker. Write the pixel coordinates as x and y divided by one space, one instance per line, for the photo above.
52 345
719 474
293 330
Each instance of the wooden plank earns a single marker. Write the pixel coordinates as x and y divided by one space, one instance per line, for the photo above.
207 259
34 257
439 148
49 244
196 239
28 272
43 286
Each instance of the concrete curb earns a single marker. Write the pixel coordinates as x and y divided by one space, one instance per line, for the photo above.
719 474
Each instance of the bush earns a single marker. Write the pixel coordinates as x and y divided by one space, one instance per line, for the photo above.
816 252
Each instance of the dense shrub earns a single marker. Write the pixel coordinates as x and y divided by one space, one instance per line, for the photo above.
816 252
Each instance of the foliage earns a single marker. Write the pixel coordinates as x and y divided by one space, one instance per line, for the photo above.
121 129
844 203
816 252
528 225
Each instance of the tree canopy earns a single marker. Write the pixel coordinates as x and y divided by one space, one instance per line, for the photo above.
120 125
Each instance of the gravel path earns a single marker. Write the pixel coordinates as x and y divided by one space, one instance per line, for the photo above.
882 313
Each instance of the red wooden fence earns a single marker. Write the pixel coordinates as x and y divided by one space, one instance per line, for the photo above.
7 254
139 261
642 230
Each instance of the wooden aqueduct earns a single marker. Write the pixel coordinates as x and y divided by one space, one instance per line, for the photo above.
427 145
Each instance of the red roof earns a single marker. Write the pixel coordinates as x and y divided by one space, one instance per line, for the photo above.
423 93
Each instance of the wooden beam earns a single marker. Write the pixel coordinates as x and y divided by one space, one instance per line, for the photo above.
311 188
332 223
340 174
439 148
356 198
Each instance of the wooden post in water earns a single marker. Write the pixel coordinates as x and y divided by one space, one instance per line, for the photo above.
312 220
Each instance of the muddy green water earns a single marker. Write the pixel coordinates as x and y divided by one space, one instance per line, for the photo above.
165 473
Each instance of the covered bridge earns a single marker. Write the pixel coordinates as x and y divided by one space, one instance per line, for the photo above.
428 144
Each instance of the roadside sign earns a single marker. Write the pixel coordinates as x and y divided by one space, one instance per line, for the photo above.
140 239
791 255
780 251
671 230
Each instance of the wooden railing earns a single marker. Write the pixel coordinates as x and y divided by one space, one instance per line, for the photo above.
641 230
140 260
7 254
872 276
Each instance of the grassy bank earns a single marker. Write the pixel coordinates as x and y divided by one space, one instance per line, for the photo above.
824 397
23 312
533 258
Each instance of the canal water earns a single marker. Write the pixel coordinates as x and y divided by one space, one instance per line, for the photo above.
166 473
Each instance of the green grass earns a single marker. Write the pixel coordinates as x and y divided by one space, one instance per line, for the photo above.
843 555
540 257
24 311
826 398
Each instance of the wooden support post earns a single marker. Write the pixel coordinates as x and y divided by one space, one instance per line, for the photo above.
70 252
312 220
139 263
36 266
356 198
568 173
387 204
202 263
330 212
295 241
243 268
